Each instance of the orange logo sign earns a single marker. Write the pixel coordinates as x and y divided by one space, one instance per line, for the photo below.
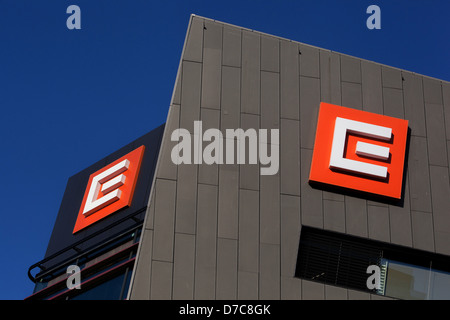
110 189
359 150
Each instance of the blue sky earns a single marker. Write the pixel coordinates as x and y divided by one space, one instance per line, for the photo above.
70 97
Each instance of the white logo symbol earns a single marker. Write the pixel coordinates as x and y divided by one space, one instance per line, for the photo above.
108 183
337 160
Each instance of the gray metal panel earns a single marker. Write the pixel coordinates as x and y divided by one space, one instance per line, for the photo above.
334 215
270 100
270 209
440 189
194 42
393 103
163 236
378 222
209 174
289 81
311 208
212 62
330 77
249 174
270 54
176 98
309 61
161 280
400 220
356 216
183 266
358 295
432 91
190 94
290 233
350 69
372 92
437 144
231 104
312 290
309 110
140 286
186 195
262 228
290 156
418 175
351 95
227 255
291 288
248 285
250 72
392 77
248 230
228 207
166 168
206 238
335 293
328 195
231 55
414 106
269 274
150 214
442 239
422 229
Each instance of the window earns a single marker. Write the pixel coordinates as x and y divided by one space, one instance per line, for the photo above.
342 260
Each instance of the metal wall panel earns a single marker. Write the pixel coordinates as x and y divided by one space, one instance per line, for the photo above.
289 81
206 240
309 110
227 255
414 105
290 156
183 266
372 92
270 54
251 63
309 61
211 67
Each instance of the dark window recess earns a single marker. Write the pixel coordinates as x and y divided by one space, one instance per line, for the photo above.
342 260
335 259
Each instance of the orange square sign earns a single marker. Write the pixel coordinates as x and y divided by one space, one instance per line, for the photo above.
110 189
359 150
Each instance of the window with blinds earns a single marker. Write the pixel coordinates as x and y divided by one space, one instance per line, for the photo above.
343 260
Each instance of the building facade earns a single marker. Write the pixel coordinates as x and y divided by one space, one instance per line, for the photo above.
226 231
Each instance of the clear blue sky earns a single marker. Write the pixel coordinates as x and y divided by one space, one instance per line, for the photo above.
61 91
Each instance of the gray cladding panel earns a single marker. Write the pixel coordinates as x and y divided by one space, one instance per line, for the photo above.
309 61
330 77
434 114
289 81
372 92
251 63
270 54
212 62
227 255
309 110
350 69
231 55
414 105
183 266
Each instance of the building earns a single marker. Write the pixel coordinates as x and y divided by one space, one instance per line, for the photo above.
314 228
